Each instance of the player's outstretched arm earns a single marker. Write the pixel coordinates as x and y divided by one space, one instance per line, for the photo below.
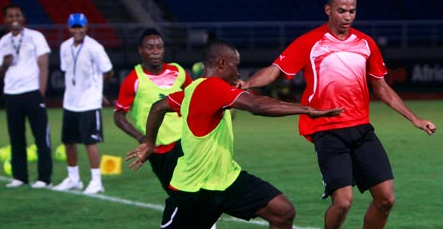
140 154
426 125
315 113
145 149
383 91
122 123
261 78
266 106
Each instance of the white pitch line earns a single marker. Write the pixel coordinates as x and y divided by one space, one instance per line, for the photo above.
154 206
5 179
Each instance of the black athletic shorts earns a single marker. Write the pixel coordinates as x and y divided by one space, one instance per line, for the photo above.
200 210
163 164
351 156
82 127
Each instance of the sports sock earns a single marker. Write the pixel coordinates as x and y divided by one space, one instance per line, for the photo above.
96 176
73 173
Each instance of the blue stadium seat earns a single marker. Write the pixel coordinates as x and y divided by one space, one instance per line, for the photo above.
34 12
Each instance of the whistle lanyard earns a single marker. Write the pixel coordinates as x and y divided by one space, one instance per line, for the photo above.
75 57
17 47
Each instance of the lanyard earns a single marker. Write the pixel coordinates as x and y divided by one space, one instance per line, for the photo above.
17 47
75 57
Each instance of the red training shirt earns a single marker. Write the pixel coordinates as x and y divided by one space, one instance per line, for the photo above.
129 87
209 101
336 75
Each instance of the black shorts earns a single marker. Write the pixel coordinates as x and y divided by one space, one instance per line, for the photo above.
200 210
351 156
163 164
82 127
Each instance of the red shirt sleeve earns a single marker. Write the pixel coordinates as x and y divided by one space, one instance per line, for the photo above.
175 100
128 89
295 57
215 94
210 100
126 94
375 64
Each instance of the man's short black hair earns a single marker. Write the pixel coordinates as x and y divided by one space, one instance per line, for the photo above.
147 32
214 48
10 6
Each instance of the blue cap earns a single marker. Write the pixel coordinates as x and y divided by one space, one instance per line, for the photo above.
77 19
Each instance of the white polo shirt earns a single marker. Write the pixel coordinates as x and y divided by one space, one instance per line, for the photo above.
84 66
26 47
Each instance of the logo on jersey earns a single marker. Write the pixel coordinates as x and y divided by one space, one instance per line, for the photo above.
281 57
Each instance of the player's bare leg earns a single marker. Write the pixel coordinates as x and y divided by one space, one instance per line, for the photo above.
381 205
71 154
279 212
94 155
95 185
341 203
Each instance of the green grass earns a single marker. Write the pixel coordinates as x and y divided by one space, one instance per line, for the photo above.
268 147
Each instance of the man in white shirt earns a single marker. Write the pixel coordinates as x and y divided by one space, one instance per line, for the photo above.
86 66
24 58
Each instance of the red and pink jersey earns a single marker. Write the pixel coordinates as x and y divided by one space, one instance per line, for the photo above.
210 99
336 73
129 85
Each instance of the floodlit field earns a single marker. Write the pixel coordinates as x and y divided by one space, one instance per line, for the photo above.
268 147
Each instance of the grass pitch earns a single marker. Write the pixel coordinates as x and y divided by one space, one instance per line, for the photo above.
268 147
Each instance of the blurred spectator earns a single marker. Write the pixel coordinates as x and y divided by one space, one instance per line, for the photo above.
86 66
25 55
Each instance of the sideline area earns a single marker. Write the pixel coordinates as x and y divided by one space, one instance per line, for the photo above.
151 206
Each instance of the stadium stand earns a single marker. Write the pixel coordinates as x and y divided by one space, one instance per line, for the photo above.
242 10
59 11
283 10
105 15
113 11
33 11
45 13
405 30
